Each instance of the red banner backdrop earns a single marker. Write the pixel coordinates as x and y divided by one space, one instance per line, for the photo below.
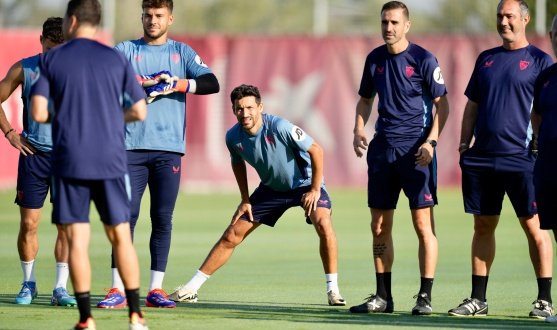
313 82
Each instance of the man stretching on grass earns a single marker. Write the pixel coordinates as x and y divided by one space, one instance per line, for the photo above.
290 165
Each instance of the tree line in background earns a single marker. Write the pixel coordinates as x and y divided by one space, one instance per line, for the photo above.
279 17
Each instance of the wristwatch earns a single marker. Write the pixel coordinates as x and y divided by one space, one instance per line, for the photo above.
432 142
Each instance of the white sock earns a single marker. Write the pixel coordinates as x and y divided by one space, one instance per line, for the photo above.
332 282
62 274
28 268
197 281
156 280
117 280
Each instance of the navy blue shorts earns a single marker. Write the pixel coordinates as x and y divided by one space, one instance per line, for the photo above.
392 169
268 205
486 179
545 183
33 180
72 200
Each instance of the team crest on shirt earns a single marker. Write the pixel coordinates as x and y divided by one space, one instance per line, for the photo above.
409 71
297 133
239 147
438 77
380 69
270 139
199 61
175 58
523 65
488 64
138 58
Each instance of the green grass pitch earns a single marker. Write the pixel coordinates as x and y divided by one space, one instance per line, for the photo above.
275 280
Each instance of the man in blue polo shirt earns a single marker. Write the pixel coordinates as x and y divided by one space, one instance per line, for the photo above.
497 115
156 146
408 83
94 91
290 166
544 124
33 173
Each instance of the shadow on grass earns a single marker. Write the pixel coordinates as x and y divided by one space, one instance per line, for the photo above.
299 313
312 315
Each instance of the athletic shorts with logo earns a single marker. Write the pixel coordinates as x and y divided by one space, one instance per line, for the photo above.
268 205
392 169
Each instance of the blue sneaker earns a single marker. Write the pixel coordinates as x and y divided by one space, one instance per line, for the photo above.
60 297
114 299
27 293
158 298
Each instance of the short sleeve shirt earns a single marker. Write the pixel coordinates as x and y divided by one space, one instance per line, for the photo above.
90 85
278 152
502 84
406 85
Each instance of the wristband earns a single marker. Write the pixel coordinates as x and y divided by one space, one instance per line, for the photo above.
182 85
8 132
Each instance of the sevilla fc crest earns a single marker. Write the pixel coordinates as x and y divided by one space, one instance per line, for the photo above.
523 65
409 71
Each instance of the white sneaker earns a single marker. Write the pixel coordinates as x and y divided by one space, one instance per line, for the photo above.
181 294
335 299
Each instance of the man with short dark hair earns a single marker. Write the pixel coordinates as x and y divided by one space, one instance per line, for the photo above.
156 146
33 173
408 82
94 92
290 165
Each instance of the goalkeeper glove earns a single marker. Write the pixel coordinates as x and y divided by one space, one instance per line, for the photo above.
153 79
168 86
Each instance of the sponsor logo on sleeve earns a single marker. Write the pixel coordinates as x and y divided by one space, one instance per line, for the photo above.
438 76
298 134
199 61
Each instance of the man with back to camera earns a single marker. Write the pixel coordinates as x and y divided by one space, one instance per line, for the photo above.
290 166
544 124
408 82
94 91
156 146
33 173
497 115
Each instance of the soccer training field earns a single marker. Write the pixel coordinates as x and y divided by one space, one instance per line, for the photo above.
275 279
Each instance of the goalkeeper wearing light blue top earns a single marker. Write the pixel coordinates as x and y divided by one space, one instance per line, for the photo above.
290 165
167 69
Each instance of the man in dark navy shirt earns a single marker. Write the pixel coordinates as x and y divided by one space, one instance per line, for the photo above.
94 91
544 124
408 82
497 115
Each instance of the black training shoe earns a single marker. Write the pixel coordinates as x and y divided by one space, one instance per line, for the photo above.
470 307
423 305
372 304
542 309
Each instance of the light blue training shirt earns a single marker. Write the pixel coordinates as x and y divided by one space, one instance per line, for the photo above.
38 135
165 126
278 152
